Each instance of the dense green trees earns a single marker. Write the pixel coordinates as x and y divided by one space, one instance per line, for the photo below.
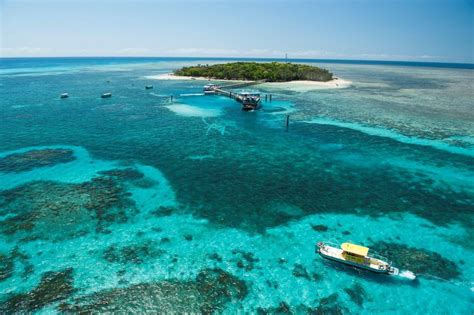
272 72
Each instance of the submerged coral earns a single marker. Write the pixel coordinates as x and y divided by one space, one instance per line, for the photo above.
162 211
131 175
53 287
356 294
329 305
20 162
247 260
300 272
6 266
134 254
319 227
8 262
123 174
51 210
421 261
208 293
282 308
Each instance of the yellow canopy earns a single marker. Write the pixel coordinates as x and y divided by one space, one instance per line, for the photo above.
355 249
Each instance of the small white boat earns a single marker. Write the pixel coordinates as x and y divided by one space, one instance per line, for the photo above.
357 256
106 95
64 95
210 89
148 87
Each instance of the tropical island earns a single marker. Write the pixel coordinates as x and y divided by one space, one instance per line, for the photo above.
269 71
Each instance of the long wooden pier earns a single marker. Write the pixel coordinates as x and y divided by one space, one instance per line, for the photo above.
223 90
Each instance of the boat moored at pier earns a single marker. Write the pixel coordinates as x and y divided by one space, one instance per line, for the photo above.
250 101
210 89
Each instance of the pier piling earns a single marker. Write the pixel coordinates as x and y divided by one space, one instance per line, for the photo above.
270 98
287 122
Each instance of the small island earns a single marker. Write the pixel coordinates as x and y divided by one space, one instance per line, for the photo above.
255 71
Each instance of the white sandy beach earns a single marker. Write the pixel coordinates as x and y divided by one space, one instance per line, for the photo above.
304 85
171 76
297 86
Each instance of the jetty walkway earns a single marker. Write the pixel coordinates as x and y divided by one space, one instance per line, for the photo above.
239 97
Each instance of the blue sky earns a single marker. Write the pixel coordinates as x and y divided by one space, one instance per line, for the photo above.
379 30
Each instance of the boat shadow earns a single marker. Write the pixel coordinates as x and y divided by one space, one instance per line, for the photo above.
369 275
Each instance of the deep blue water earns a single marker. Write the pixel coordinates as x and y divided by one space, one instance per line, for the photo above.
14 63
192 205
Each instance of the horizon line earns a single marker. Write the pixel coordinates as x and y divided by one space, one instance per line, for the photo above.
246 58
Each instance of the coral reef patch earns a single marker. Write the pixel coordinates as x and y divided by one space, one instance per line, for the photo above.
208 293
133 254
421 261
356 294
53 287
56 211
26 161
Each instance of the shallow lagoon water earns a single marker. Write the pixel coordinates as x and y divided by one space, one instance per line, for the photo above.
387 160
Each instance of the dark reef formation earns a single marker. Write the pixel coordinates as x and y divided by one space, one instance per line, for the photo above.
6 266
247 260
319 227
356 294
56 211
131 175
208 293
300 271
123 174
329 305
9 261
53 287
163 211
421 261
133 254
20 162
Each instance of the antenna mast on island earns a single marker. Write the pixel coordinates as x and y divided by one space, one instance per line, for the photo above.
286 57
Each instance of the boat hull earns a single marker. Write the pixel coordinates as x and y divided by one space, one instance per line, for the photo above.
369 263
353 264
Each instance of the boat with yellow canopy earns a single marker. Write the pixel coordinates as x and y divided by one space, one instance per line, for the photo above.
357 256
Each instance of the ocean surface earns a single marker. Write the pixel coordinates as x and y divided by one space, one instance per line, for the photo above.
140 203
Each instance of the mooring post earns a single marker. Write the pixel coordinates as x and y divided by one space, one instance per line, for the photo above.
287 122
266 96
171 98
270 97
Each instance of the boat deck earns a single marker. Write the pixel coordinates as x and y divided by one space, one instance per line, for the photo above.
367 262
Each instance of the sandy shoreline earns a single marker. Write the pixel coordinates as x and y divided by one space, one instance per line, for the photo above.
302 86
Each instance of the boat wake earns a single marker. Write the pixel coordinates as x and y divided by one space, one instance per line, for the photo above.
407 274
159 95
192 94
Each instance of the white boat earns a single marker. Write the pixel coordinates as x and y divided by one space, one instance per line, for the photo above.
210 89
106 95
64 95
357 256
250 101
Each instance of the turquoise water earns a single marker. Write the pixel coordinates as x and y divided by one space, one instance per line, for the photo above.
136 203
